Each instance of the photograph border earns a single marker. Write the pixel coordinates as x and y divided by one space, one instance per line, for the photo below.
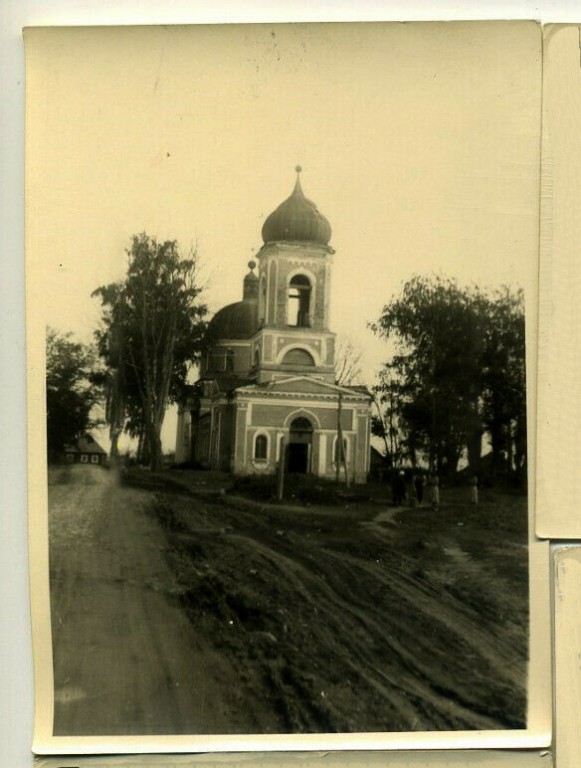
15 637
537 733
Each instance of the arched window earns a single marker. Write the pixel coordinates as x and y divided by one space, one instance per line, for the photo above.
261 448
298 357
229 359
215 359
337 457
299 301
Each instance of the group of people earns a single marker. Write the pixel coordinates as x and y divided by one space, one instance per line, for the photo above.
414 489
417 487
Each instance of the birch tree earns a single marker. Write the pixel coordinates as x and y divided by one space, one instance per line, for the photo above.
153 323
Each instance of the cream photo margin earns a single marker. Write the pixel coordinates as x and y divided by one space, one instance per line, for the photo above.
16 698
48 49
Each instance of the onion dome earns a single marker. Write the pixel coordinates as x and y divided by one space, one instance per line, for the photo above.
296 220
238 320
235 321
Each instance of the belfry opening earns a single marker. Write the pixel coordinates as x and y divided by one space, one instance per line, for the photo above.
299 301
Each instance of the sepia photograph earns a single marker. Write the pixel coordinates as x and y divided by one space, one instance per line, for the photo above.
282 287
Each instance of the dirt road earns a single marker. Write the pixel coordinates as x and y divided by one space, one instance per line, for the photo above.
126 658
174 613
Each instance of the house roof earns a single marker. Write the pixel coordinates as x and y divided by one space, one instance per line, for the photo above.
376 455
85 444
378 444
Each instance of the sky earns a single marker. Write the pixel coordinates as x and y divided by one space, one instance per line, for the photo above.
419 143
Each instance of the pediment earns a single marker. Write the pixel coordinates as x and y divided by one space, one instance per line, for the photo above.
303 385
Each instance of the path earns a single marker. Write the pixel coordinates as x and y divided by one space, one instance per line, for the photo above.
126 659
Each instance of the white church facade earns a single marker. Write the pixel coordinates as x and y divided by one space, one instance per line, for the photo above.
267 388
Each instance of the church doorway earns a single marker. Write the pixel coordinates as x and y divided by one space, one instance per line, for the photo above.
299 449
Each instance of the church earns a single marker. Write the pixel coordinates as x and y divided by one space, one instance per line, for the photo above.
267 390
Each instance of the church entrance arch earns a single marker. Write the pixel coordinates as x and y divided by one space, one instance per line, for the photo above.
300 444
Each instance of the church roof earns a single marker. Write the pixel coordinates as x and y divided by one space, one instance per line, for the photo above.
297 219
234 321
231 383
238 320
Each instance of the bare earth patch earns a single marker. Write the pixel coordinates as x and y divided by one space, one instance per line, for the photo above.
230 616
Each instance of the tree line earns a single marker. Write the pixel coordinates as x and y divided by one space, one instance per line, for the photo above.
454 376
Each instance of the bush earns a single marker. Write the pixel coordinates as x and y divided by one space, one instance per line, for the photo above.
301 489
261 488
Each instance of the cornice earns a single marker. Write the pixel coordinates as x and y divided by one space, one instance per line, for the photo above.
355 399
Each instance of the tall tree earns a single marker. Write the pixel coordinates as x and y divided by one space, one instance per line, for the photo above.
504 392
386 419
448 368
152 326
109 343
73 390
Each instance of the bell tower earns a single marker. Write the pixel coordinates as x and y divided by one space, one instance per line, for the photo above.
294 272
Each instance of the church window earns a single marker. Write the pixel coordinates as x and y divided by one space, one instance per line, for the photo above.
229 359
298 357
214 356
299 300
261 448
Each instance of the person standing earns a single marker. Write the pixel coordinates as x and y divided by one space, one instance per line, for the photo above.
435 493
420 489
412 495
394 490
399 488
474 490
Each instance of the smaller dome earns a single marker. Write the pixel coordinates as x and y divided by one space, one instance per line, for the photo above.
235 321
297 219
250 286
